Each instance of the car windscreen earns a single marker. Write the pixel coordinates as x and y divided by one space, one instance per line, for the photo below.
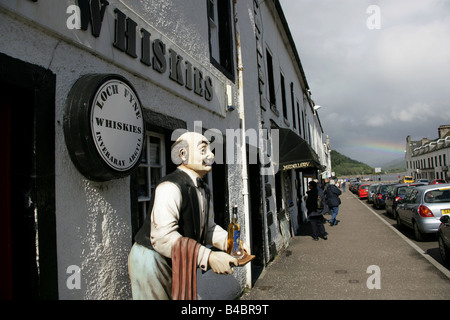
437 196
402 190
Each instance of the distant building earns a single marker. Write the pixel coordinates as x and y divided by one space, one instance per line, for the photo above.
428 159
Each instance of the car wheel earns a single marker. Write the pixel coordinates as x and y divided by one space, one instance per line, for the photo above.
417 234
444 251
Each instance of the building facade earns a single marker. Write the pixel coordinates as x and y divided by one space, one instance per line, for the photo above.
428 159
95 92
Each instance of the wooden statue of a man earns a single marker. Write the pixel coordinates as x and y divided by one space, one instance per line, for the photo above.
180 208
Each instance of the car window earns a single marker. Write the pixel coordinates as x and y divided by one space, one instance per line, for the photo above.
412 196
402 190
437 196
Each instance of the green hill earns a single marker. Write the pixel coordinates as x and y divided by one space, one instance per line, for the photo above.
344 166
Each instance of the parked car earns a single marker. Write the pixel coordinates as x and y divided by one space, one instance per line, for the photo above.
380 195
354 187
351 186
423 207
438 181
423 180
371 191
407 179
395 194
363 190
444 238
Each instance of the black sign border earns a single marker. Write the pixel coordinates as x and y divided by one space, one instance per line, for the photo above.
78 131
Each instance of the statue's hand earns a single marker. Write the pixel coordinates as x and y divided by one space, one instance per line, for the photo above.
221 262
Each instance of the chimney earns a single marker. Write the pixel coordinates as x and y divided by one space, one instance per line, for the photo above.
443 131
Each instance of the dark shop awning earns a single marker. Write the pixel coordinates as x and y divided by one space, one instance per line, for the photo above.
295 153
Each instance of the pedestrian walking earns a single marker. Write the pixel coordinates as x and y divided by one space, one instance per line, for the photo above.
315 204
332 194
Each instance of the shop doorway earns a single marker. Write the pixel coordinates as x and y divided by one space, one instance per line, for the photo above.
27 207
18 228
256 215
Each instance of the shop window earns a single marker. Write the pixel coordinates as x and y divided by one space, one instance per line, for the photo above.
150 171
220 36
278 192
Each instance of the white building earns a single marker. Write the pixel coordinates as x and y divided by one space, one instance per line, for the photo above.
79 175
428 159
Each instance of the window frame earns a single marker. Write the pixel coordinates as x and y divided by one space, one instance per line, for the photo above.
145 200
220 37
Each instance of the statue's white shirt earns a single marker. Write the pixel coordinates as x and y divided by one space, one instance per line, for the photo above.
166 214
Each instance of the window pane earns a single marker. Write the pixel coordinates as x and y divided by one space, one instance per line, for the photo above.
142 182
155 151
144 154
155 177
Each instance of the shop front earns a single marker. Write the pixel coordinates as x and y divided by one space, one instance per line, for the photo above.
92 101
298 164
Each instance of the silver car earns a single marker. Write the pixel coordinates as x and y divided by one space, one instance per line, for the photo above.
422 208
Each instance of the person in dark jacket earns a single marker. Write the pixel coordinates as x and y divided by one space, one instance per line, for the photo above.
332 194
315 212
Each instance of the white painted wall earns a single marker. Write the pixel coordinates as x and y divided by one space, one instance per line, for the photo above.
93 219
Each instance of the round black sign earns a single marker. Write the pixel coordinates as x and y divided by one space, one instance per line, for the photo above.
104 127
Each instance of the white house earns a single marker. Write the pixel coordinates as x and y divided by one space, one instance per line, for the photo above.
428 159
95 92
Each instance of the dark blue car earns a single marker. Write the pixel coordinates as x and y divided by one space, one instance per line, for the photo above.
380 195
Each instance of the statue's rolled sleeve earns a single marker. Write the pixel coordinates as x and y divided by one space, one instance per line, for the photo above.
164 218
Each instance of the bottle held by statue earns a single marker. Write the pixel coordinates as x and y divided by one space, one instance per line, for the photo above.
234 237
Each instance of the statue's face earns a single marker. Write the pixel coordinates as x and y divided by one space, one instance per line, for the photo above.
198 156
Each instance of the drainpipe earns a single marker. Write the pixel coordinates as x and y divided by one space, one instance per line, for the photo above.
245 193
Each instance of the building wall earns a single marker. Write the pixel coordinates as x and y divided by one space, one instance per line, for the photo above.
428 159
267 35
94 219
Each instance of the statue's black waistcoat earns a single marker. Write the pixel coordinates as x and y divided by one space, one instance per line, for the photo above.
189 223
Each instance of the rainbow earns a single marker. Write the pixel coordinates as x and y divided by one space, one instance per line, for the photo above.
387 148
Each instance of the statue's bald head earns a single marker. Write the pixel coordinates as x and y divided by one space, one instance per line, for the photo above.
192 150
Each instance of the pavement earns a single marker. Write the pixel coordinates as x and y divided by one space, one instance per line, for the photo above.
364 258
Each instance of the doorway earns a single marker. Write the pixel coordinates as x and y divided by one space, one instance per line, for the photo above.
256 215
27 208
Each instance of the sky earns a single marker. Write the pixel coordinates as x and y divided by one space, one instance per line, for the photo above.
379 69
